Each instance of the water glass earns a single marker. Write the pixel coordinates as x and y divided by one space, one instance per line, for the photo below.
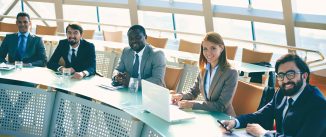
18 65
66 72
133 85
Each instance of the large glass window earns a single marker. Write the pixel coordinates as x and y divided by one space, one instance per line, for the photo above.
81 14
275 5
114 16
4 5
13 12
189 1
232 28
316 7
190 24
45 10
311 38
156 20
234 3
270 33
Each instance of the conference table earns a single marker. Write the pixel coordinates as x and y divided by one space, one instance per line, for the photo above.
108 54
71 107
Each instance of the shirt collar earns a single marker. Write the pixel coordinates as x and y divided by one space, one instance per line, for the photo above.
208 67
26 34
140 53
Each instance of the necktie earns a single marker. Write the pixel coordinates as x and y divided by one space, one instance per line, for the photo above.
290 103
21 47
73 57
135 67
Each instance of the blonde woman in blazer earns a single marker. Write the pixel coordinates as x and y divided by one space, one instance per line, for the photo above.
217 81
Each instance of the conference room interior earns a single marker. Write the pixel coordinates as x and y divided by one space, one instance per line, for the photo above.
256 33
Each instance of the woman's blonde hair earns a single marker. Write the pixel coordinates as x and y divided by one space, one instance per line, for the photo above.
222 61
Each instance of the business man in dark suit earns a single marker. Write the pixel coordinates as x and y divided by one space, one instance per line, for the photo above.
26 47
140 60
23 46
298 108
78 54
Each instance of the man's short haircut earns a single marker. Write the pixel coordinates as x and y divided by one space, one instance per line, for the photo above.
75 26
303 67
139 28
23 14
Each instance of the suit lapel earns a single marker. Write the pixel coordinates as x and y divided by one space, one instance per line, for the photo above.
15 47
144 59
130 60
214 83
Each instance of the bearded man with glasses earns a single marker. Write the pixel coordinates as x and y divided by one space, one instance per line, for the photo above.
298 108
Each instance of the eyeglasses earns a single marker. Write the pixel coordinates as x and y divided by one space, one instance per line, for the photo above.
289 75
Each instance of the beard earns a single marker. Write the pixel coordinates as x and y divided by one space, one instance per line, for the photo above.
292 91
72 41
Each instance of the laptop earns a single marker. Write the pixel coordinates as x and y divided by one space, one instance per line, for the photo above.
157 100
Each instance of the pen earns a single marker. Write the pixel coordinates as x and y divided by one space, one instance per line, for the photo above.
224 126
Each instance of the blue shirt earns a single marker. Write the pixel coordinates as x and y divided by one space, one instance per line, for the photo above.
209 77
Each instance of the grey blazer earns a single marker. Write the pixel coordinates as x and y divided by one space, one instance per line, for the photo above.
221 92
152 66
35 51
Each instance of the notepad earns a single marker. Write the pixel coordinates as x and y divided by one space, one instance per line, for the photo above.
4 66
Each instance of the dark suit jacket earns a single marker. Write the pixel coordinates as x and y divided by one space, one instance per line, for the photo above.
307 118
86 59
221 91
152 67
34 54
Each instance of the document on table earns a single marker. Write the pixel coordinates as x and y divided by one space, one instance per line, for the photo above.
238 133
109 87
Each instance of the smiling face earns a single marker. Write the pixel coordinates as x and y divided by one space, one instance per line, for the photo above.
23 23
212 52
73 36
136 40
291 84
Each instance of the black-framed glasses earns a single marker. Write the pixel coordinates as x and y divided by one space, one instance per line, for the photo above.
289 75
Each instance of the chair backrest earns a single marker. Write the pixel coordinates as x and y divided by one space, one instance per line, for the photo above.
250 56
247 98
188 46
112 36
157 42
88 34
319 81
172 77
231 52
105 63
8 27
46 30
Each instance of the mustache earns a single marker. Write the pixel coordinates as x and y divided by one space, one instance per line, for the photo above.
284 84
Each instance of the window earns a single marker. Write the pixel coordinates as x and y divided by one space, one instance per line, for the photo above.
156 20
316 7
274 5
82 14
197 26
114 16
233 3
270 33
45 10
189 1
233 28
15 10
311 38
4 5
